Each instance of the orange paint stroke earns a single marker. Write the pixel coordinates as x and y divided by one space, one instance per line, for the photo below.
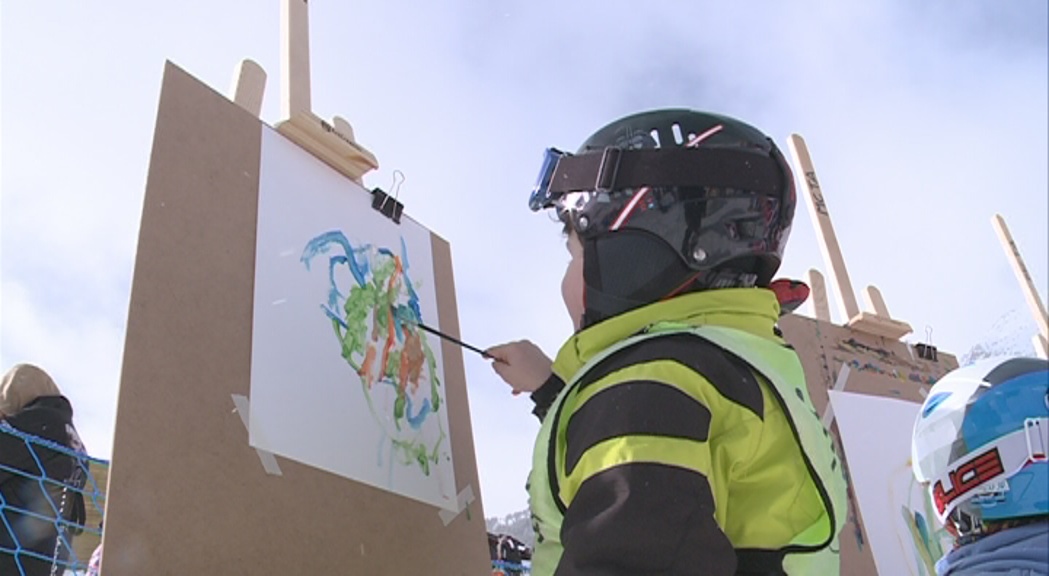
391 334
412 359
391 337
366 366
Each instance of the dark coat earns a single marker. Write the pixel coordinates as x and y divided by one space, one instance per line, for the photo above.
22 464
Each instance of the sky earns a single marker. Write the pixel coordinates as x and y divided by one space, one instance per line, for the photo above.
923 121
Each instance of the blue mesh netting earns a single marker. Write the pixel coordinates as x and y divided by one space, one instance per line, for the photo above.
64 546
502 568
40 530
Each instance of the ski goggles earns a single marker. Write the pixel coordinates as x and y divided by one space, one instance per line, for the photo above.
986 470
541 197
614 168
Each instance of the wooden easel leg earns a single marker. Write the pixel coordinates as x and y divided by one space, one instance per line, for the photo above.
1041 347
820 306
1012 252
828 240
875 302
294 57
249 86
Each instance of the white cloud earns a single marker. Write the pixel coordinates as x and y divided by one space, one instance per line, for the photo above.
80 350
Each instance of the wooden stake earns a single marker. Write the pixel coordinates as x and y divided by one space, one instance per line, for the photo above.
294 58
333 143
870 322
1034 302
875 302
249 86
828 241
342 126
820 306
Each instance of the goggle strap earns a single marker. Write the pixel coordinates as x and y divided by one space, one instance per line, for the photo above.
615 169
983 469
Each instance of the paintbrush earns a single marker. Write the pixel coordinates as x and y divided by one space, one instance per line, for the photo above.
440 334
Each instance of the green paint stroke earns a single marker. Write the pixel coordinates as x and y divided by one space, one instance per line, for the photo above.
926 535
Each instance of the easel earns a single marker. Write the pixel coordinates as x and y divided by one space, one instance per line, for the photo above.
1041 319
864 354
332 143
876 320
182 460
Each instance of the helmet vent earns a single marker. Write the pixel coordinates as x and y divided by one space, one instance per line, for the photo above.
676 129
655 136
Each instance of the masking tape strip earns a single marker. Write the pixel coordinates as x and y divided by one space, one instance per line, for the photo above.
269 461
839 385
466 496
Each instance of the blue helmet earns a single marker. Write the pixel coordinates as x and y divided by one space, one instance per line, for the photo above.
980 443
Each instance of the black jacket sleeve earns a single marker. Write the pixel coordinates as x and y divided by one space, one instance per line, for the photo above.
641 517
644 519
545 395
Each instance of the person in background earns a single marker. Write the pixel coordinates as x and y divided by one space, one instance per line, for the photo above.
31 403
677 435
94 565
510 553
979 446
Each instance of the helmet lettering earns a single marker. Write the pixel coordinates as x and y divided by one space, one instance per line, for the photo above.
967 477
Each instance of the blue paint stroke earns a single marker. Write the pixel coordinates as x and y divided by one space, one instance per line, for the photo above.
923 530
413 298
353 258
358 264
397 329
417 421
403 315
335 317
404 254
334 295
408 313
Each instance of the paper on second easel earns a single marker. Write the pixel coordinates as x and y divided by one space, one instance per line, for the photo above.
904 535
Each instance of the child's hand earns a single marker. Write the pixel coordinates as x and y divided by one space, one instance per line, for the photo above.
521 364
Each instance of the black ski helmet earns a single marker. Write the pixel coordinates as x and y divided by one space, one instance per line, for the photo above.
670 201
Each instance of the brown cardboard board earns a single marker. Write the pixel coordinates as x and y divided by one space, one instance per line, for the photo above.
877 366
187 494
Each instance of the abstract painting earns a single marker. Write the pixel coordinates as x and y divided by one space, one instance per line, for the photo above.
376 326
343 379
904 535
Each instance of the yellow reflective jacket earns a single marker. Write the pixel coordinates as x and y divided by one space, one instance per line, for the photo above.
684 442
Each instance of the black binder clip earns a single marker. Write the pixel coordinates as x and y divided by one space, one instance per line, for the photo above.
925 350
388 205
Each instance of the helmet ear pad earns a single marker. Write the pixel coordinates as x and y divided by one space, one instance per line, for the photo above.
628 269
